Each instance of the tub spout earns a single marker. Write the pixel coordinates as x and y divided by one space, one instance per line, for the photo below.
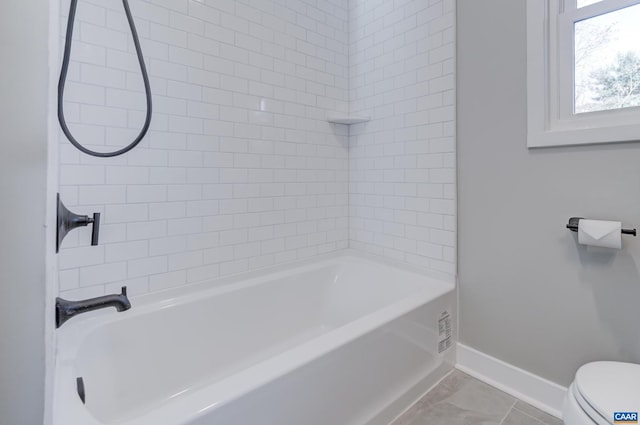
66 309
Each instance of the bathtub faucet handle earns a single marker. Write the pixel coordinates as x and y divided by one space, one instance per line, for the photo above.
67 221
95 231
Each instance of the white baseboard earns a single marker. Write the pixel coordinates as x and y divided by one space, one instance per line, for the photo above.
538 392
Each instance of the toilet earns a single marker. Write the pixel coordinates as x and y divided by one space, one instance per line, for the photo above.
602 390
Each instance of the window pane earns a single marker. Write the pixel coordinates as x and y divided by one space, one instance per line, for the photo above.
607 61
583 3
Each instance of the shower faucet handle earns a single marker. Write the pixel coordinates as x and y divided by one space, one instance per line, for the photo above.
68 221
95 232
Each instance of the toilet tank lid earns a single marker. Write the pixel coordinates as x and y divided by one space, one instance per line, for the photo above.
610 387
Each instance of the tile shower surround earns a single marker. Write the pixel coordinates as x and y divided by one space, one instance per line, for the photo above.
240 169
402 163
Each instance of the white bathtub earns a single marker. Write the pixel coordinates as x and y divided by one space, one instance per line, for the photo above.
337 341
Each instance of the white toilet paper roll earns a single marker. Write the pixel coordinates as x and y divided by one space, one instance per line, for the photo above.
607 234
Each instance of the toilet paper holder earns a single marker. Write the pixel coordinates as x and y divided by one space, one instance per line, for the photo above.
573 226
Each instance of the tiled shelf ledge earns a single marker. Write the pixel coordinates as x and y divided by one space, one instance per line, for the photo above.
347 119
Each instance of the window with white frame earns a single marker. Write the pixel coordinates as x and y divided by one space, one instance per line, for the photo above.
583 71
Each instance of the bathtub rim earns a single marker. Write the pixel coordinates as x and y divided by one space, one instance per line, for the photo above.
183 294
202 399
204 285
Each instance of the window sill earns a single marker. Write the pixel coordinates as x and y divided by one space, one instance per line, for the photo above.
584 136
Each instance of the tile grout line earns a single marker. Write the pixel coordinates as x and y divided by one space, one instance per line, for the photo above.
530 416
508 411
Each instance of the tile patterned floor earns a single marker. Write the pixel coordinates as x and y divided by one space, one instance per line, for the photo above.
462 400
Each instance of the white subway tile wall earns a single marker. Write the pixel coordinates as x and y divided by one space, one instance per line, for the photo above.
240 169
402 162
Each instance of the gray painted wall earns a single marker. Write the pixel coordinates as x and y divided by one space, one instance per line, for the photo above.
529 295
23 167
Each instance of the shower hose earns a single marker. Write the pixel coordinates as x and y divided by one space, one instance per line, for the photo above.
63 80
